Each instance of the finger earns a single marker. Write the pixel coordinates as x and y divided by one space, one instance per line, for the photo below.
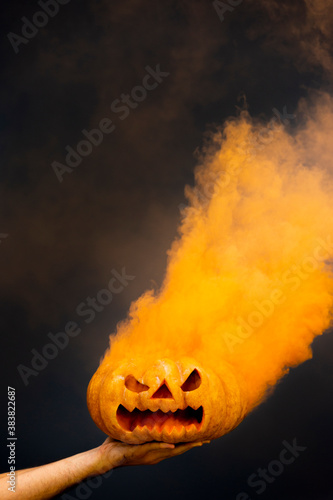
176 446
158 445
161 454
167 445
182 448
192 444
143 449
168 449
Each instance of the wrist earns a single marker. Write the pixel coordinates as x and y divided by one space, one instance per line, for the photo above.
100 461
86 464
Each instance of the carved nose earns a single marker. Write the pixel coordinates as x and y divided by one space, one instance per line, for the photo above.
162 392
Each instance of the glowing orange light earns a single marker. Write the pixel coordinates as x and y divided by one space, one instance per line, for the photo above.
247 288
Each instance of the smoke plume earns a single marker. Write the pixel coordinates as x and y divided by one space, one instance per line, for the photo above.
249 280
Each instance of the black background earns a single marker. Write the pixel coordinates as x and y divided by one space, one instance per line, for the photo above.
120 208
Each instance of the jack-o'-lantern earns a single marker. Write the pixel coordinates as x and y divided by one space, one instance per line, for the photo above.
171 401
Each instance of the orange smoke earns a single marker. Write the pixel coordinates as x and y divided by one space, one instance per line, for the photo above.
249 280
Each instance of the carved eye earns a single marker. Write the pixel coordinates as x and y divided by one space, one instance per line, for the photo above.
192 382
134 385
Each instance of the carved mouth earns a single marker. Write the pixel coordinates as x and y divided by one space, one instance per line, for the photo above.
159 420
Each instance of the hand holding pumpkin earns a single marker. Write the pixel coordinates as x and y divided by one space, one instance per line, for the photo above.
49 480
117 454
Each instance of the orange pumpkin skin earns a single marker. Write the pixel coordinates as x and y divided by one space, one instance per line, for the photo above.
168 401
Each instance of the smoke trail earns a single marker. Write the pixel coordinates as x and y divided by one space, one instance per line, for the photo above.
299 30
249 281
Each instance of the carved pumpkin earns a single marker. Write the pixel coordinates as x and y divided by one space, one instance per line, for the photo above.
171 401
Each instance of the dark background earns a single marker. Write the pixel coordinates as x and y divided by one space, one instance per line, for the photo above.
120 208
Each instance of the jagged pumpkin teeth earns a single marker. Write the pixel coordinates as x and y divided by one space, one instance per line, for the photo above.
138 419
